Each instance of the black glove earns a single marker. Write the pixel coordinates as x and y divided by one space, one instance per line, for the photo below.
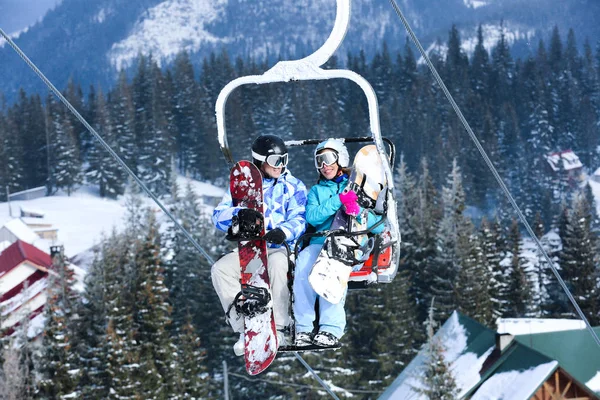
276 236
246 224
249 216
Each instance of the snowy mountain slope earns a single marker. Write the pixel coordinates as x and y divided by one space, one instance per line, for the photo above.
83 217
153 33
89 39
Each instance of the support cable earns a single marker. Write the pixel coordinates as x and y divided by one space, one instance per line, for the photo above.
312 371
491 167
131 173
104 144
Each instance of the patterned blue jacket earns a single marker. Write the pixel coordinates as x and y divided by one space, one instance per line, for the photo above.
284 204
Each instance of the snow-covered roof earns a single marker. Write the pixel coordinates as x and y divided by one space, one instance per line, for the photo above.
483 371
514 384
21 231
568 158
467 345
32 212
525 326
4 244
597 172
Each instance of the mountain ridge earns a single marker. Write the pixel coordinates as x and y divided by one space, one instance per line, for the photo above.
88 41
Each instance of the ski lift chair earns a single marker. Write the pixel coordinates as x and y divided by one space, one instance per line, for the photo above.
383 265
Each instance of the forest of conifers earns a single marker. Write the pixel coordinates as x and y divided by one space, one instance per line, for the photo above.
151 325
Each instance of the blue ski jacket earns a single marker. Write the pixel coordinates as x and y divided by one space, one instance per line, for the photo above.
284 202
323 202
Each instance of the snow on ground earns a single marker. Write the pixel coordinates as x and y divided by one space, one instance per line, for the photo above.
514 385
83 217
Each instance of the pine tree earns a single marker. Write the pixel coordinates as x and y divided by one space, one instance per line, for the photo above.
473 282
122 112
497 285
65 164
451 239
58 365
93 346
102 168
438 381
519 286
16 367
426 220
122 347
578 259
152 316
195 382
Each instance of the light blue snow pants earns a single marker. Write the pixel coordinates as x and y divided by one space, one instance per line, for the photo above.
332 317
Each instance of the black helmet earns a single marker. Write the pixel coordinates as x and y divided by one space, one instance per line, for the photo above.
269 148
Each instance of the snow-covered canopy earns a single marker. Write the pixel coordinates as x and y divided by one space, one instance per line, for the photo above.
21 231
566 160
524 326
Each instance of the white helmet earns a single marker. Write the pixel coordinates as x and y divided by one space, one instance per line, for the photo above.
339 147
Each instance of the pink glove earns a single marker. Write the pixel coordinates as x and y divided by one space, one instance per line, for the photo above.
348 200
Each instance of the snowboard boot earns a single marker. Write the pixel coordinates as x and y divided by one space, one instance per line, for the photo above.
238 347
282 339
303 339
325 339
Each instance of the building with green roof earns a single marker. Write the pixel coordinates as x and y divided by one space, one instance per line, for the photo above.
487 365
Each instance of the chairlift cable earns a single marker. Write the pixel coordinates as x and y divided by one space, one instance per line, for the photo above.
104 144
493 170
312 371
132 174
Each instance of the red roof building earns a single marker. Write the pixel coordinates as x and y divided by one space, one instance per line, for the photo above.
23 280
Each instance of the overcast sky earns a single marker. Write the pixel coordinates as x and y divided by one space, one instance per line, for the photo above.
16 15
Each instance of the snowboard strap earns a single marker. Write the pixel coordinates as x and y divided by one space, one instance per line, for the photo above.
250 301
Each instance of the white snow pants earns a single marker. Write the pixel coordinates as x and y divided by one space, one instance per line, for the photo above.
225 275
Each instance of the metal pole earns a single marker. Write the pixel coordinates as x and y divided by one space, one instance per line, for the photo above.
225 381
8 201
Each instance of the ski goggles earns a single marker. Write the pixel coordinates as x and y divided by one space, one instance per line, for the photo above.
274 160
326 158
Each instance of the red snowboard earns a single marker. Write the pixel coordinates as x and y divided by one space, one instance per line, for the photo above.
260 333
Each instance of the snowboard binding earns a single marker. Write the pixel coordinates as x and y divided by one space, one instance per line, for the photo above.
251 301
347 250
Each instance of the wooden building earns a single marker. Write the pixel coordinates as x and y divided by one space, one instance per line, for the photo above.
492 366
23 281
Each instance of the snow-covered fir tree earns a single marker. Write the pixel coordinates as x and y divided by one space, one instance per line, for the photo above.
102 168
438 381
519 286
579 260
491 245
122 347
16 368
92 330
152 317
425 220
472 284
122 113
452 244
58 364
64 159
